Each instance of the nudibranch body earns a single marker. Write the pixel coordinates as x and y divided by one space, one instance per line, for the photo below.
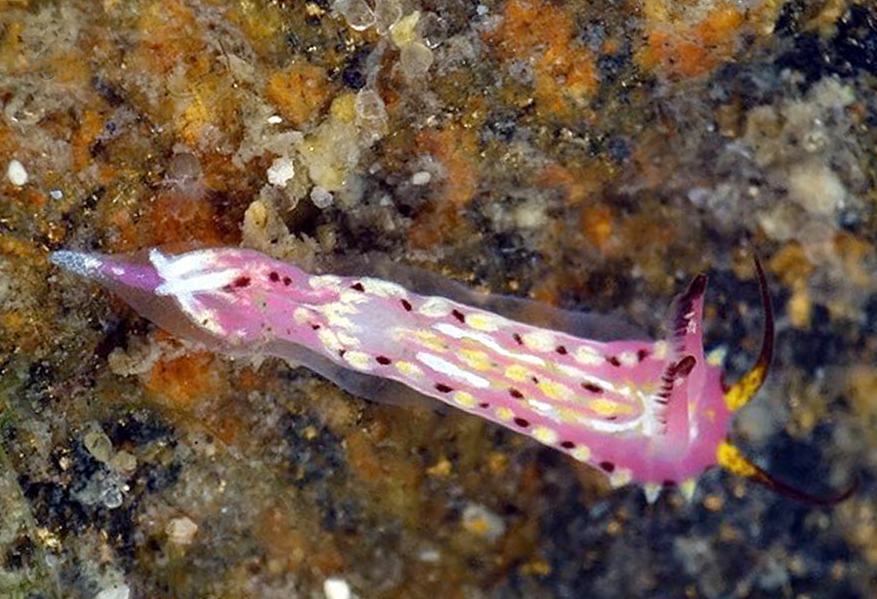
654 412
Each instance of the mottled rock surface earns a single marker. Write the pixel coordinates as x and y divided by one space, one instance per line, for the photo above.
589 155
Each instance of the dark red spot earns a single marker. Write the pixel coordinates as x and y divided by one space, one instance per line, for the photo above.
443 388
274 276
484 405
615 361
522 422
383 360
684 367
287 281
608 467
518 339
535 380
357 287
241 282
669 483
592 387
315 327
406 304
341 352
459 315
697 287
516 394
642 354
561 350
567 444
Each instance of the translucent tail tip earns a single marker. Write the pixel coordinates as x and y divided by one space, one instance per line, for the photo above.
86 265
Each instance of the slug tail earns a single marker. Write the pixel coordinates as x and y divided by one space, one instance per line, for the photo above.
731 459
743 390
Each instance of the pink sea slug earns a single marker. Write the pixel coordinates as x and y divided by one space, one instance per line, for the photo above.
653 412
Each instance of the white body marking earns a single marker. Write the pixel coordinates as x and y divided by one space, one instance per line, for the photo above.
456 332
452 370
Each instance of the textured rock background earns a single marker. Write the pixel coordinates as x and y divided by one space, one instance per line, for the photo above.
584 154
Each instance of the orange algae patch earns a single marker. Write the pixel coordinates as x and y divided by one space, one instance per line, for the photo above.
186 381
174 217
90 127
299 92
290 548
388 473
854 253
576 186
169 36
126 233
261 22
681 50
791 264
543 35
455 148
598 225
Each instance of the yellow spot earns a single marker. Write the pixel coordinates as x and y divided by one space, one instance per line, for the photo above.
660 350
567 415
339 321
357 359
628 358
466 400
435 307
336 312
686 487
608 408
475 359
410 370
328 339
582 453
545 435
325 282
738 395
482 322
731 459
382 288
586 355
620 477
516 372
301 315
540 340
430 340
554 390
347 340
348 296
504 414
716 357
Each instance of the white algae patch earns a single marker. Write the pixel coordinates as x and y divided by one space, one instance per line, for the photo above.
16 173
336 588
